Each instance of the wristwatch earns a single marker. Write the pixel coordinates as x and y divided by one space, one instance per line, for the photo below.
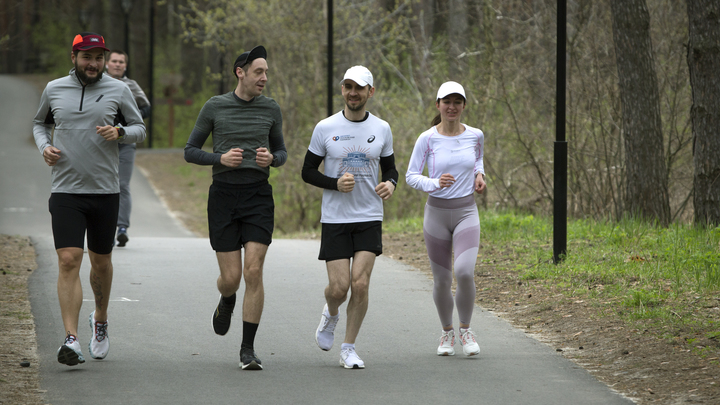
121 132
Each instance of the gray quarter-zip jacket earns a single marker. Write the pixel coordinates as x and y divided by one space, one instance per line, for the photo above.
88 163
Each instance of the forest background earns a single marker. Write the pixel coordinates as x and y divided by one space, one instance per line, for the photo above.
504 53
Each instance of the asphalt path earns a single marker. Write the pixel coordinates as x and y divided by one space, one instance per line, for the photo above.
163 350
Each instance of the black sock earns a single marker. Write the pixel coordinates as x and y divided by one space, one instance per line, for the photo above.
249 330
229 300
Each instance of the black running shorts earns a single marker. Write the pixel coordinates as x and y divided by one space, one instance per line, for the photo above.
240 213
73 214
341 241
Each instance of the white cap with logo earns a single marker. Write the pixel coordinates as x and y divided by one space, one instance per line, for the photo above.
360 75
449 88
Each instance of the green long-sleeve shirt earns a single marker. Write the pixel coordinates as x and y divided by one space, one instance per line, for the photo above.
236 123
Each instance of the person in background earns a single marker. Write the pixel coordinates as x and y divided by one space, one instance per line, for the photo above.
247 140
90 114
116 67
453 154
354 144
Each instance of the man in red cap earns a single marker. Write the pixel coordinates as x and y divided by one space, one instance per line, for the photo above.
90 115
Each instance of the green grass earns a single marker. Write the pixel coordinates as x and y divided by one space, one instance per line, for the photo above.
666 279
18 315
602 253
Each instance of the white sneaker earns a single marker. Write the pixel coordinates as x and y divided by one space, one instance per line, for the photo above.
100 342
325 334
469 345
70 353
447 341
350 359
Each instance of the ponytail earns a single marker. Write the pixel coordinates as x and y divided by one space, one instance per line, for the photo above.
435 121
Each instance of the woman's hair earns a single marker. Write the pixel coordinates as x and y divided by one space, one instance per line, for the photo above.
438 119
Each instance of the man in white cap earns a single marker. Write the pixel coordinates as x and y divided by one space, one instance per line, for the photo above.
354 144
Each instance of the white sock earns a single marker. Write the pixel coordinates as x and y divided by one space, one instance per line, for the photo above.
347 346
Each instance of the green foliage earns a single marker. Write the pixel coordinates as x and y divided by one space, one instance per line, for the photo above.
514 225
53 43
641 299
403 225
662 277
506 66
184 118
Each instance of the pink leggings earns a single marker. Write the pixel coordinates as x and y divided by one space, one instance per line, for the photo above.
452 224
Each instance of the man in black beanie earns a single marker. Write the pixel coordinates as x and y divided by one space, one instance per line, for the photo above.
247 139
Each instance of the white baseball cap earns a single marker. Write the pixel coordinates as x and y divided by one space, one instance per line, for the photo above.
448 88
360 75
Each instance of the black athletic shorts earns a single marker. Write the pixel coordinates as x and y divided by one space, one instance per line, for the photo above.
240 213
73 214
341 241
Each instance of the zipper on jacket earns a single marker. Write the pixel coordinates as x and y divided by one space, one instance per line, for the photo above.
82 96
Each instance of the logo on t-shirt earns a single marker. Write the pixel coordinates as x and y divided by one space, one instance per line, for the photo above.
356 162
342 137
371 139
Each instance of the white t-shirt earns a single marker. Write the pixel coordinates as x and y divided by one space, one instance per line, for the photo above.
355 148
461 156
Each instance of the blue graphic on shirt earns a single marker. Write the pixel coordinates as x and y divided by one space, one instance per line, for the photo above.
356 161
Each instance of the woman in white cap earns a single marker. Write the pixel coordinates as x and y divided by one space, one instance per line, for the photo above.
453 154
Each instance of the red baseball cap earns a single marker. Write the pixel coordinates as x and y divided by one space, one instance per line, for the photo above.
88 40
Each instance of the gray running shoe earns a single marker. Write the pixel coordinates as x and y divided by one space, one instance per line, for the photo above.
70 353
249 360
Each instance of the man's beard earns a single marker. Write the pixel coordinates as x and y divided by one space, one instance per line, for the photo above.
358 107
84 78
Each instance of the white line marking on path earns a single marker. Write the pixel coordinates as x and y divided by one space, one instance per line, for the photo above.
121 299
17 209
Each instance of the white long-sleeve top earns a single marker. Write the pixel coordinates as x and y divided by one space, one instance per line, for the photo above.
461 156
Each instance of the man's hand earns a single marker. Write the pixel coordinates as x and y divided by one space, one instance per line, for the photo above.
51 155
446 180
346 183
480 183
263 158
232 158
385 189
109 132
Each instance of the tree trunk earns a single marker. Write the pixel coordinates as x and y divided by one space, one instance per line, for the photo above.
423 29
488 58
457 38
703 59
646 176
